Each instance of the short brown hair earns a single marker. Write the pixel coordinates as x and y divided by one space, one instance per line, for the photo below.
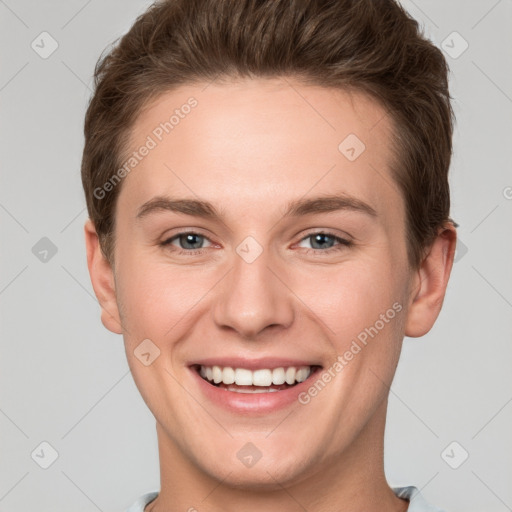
365 45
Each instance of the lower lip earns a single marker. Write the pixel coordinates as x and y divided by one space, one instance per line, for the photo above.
252 402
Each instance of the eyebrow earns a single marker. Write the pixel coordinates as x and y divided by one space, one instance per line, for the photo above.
296 208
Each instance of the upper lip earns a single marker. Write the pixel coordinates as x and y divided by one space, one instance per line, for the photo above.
253 364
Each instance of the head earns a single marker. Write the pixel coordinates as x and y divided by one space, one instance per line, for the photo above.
303 147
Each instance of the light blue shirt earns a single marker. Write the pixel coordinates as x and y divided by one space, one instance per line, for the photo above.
416 501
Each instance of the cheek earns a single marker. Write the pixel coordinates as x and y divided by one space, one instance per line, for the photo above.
157 298
158 304
347 297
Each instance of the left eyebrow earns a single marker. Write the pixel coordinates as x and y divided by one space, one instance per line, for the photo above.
329 203
297 208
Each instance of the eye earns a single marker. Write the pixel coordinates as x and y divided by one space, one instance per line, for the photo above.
323 242
188 241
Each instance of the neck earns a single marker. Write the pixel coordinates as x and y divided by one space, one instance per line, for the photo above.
353 481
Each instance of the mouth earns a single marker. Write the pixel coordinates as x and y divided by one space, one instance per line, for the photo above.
262 380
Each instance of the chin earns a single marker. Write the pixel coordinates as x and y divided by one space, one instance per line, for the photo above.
268 473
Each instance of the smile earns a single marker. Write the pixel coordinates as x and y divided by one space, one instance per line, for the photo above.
262 380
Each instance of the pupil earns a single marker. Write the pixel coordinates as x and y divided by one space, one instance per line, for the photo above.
190 239
321 237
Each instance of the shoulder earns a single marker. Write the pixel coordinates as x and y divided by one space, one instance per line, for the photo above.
140 503
416 501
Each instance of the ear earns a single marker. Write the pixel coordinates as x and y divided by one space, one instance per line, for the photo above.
431 279
102 278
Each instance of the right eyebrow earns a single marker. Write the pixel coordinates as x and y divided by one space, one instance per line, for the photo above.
193 207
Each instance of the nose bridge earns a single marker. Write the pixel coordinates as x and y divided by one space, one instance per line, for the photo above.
252 297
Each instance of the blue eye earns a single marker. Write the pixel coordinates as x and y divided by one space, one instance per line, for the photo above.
184 239
190 243
324 239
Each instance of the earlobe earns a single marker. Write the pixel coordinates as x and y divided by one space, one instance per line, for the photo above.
430 284
102 279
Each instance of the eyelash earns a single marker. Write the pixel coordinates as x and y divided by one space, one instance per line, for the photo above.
343 243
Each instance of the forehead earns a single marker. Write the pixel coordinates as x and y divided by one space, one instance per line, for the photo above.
256 143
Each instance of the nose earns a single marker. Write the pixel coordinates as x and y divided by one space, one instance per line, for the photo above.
253 297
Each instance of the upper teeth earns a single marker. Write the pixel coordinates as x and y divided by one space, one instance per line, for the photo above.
263 377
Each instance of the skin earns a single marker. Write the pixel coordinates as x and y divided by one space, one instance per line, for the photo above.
250 147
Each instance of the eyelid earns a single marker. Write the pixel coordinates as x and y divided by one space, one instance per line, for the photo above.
171 238
319 231
343 241
173 233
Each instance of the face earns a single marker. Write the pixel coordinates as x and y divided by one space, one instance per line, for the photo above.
298 260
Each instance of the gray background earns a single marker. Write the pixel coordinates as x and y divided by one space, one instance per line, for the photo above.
64 379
